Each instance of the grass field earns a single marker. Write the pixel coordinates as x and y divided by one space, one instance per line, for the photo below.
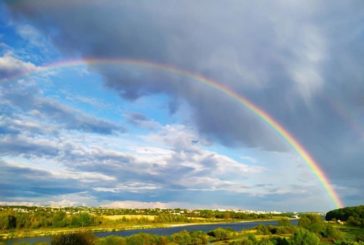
129 217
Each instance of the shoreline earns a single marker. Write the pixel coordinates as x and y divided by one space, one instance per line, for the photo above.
57 231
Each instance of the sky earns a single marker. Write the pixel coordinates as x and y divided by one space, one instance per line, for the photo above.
139 134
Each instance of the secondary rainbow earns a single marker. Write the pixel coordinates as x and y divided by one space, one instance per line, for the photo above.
259 112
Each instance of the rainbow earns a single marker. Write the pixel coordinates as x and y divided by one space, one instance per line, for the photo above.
259 112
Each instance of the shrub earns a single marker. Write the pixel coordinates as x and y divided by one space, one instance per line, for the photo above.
74 239
244 241
265 242
331 232
142 239
182 238
263 230
111 240
281 241
199 237
221 234
284 222
305 237
312 222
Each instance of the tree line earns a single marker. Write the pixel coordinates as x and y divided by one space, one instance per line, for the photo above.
352 215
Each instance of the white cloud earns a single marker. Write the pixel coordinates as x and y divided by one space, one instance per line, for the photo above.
306 71
32 35
11 66
163 205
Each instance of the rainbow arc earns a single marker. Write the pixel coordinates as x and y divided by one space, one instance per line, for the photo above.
259 112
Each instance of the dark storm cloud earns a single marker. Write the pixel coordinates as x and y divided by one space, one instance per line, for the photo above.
141 120
211 44
294 59
18 146
26 182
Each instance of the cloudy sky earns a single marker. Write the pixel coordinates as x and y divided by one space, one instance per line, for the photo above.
131 135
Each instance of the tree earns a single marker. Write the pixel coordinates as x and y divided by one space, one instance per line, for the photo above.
59 219
11 222
353 215
312 222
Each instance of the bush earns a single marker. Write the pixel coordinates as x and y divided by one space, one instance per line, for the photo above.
244 241
199 237
331 232
284 222
312 222
249 240
221 234
285 230
305 237
263 230
74 239
111 240
281 241
143 239
265 242
182 237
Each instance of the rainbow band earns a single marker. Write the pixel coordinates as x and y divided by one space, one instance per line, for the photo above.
260 113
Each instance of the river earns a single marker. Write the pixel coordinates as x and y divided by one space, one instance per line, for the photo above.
238 226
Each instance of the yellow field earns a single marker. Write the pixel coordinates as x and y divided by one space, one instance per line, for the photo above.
129 217
197 218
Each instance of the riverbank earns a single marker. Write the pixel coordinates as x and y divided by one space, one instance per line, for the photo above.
95 229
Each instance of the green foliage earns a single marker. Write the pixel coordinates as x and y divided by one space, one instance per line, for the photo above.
182 237
143 239
170 218
331 232
11 222
284 222
248 240
111 240
312 222
7 221
274 230
199 237
265 242
316 224
280 241
243 241
74 239
353 215
304 237
263 230
82 219
59 219
23 217
221 234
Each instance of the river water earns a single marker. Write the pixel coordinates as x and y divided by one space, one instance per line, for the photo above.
158 231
